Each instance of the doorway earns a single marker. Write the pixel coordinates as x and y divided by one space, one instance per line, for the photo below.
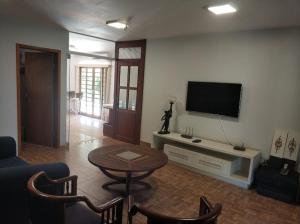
38 95
90 89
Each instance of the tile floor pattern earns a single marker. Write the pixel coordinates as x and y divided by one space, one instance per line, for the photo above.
175 190
84 128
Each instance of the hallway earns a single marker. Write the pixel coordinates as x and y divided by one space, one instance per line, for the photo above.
83 129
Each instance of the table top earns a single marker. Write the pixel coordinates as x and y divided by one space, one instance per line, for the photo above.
128 158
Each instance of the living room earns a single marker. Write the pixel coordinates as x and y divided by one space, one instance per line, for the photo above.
257 46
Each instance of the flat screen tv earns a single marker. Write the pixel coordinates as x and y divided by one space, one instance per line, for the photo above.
214 98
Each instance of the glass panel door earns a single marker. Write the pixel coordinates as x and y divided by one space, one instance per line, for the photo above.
91 89
130 61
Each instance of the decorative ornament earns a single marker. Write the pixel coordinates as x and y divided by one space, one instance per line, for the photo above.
166 118
292 146
278 143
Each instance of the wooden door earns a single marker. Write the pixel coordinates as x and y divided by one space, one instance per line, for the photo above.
40 96
129 90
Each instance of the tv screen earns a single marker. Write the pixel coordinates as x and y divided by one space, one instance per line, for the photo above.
214 98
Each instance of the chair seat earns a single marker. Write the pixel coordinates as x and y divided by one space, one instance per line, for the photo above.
12 162
78 213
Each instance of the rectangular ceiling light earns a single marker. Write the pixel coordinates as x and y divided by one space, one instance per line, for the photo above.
222 9
118 24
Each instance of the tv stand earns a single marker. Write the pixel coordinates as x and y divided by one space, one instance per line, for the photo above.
209 157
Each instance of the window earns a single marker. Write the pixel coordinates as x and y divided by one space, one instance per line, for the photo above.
91 87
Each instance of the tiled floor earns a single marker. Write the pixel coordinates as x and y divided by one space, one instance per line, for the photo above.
175 190
84 128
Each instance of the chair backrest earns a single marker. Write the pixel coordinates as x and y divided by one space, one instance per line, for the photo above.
79 95
51 193
208 214
62 193
71 94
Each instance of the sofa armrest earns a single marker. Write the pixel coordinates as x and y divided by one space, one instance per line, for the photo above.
8 147
16 177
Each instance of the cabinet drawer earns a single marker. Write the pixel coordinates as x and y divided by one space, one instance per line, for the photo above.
216 165
212 164
178 155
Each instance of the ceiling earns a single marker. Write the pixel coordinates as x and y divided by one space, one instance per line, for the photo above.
90 45
154 18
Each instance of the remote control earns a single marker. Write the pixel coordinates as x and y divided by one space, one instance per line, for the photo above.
239 148
196 140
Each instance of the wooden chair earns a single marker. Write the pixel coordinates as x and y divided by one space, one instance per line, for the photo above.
208 214
68 208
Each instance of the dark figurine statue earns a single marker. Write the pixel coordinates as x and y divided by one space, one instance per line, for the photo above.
166 118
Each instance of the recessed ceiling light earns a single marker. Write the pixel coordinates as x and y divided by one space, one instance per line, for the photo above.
118 24
222 9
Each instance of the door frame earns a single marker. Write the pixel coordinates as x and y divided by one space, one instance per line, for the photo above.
57 54
141 64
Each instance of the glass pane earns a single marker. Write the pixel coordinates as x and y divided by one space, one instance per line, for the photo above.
133 76
97 112
97 85
122 98
132 100
123 75
130 53
83 108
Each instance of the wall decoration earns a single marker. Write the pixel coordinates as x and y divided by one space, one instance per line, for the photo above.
279 143
292 146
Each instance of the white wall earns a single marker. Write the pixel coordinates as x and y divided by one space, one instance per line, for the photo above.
267 63
29 33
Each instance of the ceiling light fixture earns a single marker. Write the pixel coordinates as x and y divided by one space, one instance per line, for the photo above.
222 9
118 24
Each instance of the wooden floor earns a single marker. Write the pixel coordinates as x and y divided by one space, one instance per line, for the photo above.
175 190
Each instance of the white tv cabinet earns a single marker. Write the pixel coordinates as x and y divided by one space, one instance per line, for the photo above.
212 158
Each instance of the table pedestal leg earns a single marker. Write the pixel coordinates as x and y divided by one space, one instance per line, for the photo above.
128 180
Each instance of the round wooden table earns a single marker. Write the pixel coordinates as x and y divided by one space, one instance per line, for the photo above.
128 159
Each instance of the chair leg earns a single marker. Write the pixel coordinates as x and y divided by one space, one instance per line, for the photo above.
119 213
